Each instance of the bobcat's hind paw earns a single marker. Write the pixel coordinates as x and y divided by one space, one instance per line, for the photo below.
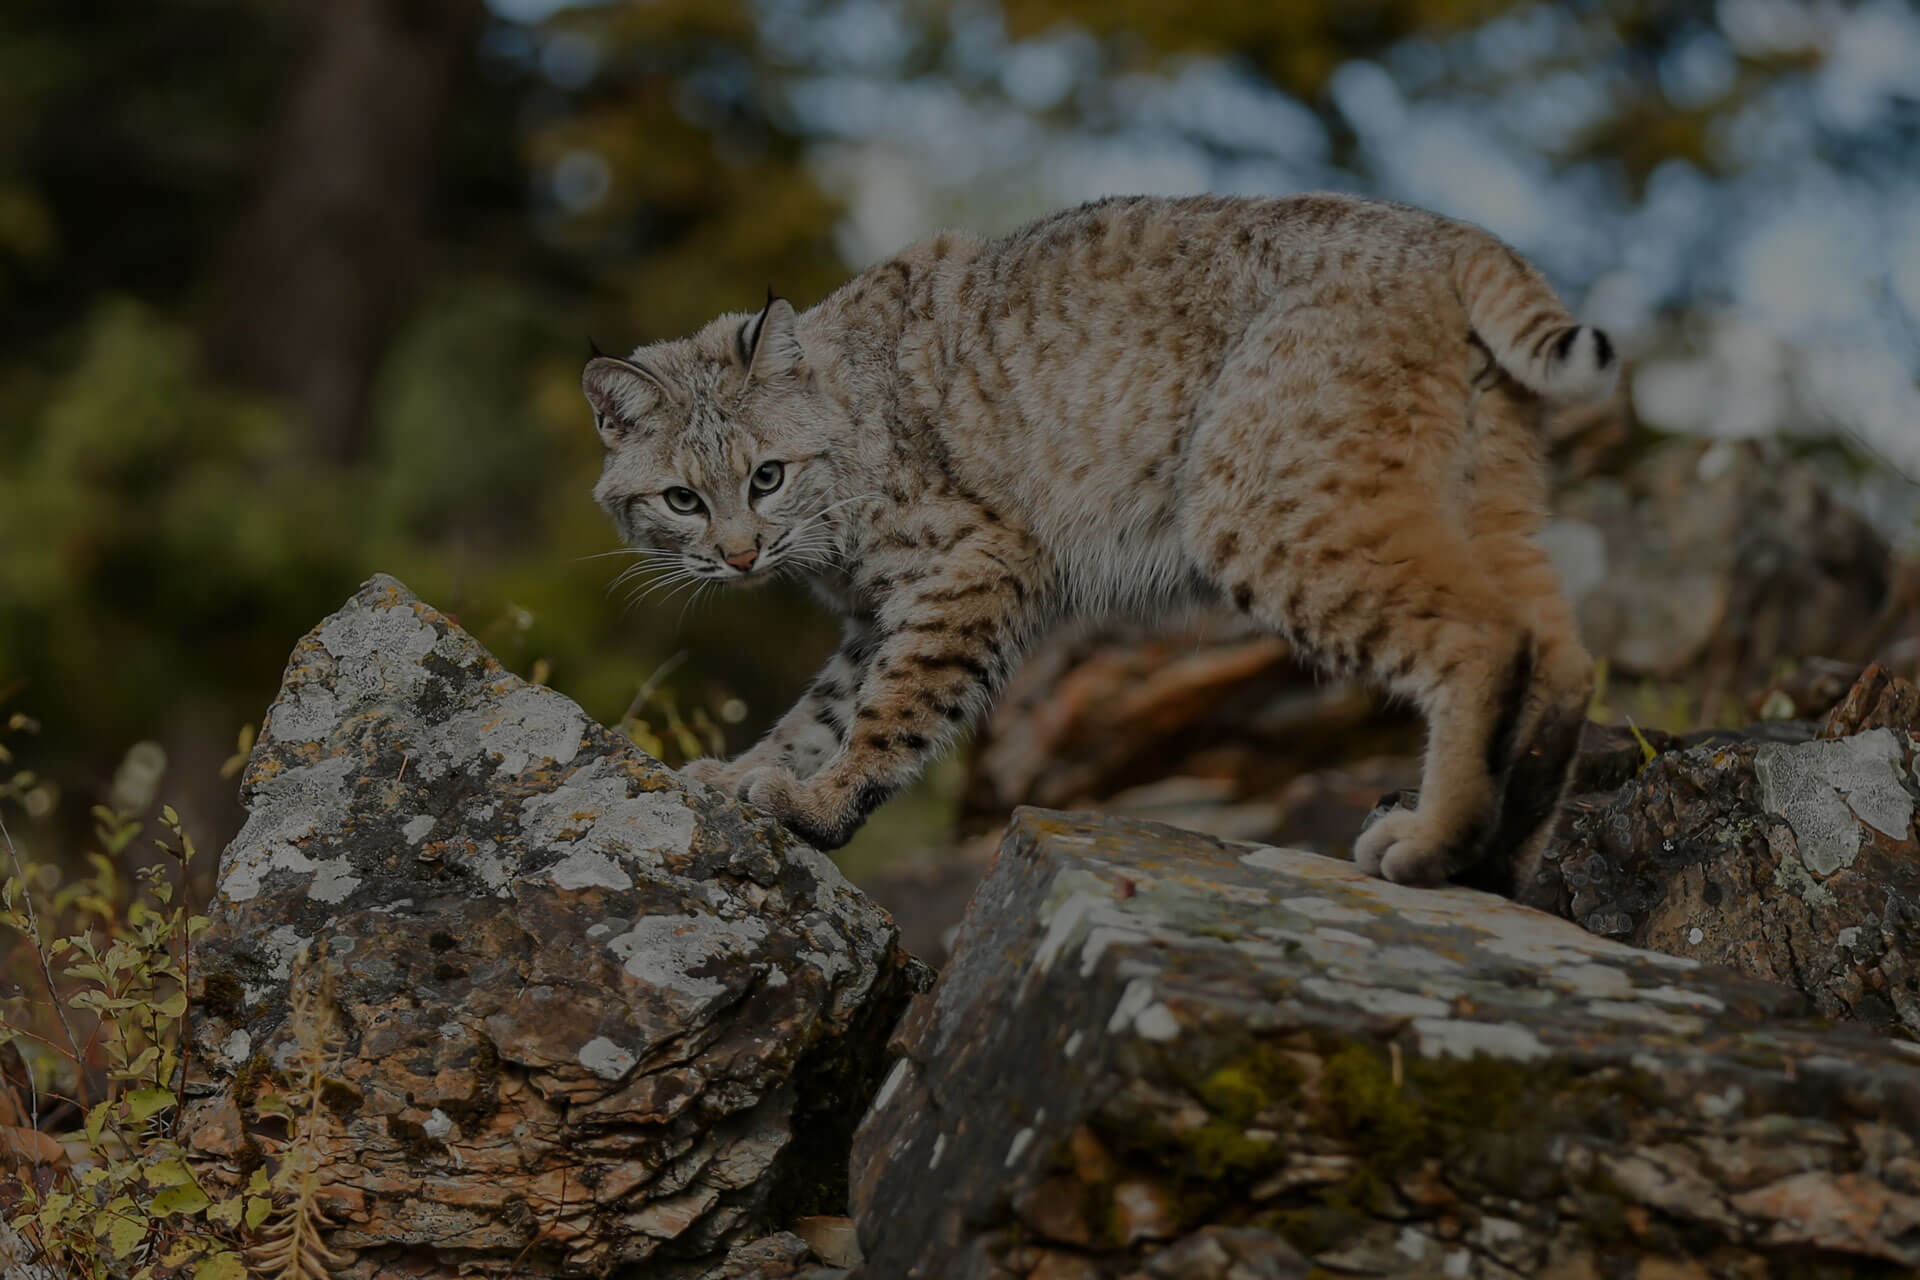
806 810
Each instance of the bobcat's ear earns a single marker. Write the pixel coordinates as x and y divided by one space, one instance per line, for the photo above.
770 342
622 395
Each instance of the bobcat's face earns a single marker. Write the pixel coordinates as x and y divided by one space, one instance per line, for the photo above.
719 458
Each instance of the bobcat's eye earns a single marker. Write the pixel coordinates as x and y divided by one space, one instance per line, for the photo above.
767 476
684 500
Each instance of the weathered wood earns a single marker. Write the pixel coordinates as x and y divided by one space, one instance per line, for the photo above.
1146 1036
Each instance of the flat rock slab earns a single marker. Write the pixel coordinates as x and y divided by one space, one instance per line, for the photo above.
1157 1055
590 1015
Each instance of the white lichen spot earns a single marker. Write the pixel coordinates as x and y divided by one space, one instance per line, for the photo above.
333 881
1072 1046
1849 937
1061 926
1021 1141
592 811
661 951
437 1125
306 713
1826 788
1594 980
1137 996
1383 1001
1696 936
606 1059
415 829
1686 999
1790 868
1678 1024
1458 1264
889 1087
237 1047
533 725
1099 938
586 869
1718 1106
1458 1038
285 943
1327 910
1156 1022
1410 1243
831 964
296 804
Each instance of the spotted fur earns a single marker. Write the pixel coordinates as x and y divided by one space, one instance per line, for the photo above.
1320 410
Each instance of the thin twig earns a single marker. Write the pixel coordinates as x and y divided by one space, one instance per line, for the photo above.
40 954
651 683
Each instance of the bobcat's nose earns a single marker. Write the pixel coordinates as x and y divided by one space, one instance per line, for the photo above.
743 560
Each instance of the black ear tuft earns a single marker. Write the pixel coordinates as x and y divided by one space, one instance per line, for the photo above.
593 349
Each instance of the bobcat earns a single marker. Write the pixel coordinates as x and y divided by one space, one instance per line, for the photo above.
1321 410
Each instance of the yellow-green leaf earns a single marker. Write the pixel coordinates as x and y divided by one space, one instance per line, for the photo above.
144 1103
225 1213
259 1183
258 1207
96 1120
225 1265
169 1173
186 1199
125 1228
55 1206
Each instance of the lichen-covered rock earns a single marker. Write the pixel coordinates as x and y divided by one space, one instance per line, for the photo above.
1150 1043
589 1015
1797 861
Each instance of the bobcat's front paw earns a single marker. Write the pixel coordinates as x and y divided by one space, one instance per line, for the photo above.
712 770
808 810
1395 846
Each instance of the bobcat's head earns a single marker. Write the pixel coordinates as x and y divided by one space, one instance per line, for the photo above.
719 460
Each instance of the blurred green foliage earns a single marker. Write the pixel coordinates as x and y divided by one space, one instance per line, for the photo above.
167 531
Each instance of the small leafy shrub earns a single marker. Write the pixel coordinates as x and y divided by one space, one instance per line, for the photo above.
95 1180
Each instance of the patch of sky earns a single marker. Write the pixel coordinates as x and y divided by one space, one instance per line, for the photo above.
1038 75
1698 72
1873 59
1221 106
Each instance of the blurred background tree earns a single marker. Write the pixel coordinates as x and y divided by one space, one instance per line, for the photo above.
292 293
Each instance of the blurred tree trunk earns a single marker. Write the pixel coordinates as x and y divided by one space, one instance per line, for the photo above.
327 254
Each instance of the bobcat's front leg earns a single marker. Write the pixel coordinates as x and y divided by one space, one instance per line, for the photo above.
943 648
812 729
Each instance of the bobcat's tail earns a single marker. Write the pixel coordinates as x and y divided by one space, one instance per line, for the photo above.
1517 314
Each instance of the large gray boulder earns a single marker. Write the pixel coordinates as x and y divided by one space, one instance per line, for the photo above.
588 1016
1157 1056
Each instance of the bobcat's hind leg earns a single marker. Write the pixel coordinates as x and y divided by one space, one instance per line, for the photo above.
1507 509
1339 536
